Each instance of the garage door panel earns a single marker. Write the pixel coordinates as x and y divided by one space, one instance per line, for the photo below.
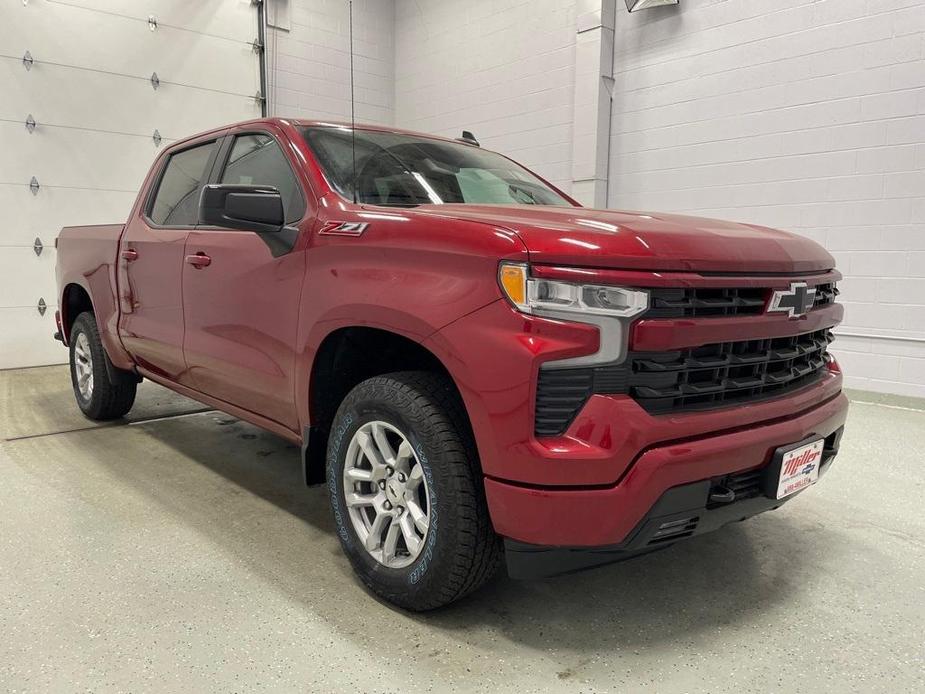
96 110
56 98
176 55
229 18
26 338
27 277
75 159
44 214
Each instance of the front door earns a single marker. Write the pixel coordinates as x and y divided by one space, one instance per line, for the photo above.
241 293
151 263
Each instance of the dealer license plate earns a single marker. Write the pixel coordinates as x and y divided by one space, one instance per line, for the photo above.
799 468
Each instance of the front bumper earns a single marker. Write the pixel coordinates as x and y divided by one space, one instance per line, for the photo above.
607 516
681 512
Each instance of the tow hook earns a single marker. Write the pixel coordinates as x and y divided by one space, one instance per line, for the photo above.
722 495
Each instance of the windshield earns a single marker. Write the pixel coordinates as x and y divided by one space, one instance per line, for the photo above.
404 170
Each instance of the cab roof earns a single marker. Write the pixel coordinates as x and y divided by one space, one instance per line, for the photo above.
302 122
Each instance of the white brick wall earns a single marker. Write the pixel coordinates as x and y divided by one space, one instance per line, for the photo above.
807 115
309 65
504 70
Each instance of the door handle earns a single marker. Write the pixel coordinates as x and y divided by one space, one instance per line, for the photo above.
199 261
129 254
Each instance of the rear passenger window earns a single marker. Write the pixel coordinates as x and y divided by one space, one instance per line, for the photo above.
177 199
257 160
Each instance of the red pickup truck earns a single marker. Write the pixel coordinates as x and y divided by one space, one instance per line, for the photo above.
477 367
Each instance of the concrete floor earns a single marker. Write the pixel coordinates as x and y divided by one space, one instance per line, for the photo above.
182 554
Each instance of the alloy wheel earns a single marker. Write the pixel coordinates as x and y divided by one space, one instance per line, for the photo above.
387 496
83 366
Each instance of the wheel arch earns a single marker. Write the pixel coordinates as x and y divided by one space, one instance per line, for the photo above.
75 299
347 356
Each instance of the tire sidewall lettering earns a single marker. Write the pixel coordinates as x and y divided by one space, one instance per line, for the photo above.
335 476
423 563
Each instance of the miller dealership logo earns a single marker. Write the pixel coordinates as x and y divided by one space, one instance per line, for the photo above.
796 301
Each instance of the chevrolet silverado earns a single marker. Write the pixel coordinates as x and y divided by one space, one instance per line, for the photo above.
480 370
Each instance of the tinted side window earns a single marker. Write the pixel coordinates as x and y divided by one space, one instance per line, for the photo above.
177 197
257 160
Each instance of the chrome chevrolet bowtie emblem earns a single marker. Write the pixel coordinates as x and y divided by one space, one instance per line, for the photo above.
796 301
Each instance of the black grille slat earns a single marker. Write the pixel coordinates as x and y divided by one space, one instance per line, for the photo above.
749 358
745 382
701 388
694 363
784 354
649 365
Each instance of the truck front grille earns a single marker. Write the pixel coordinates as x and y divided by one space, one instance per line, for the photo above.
689 302
678 302
710 376
725 372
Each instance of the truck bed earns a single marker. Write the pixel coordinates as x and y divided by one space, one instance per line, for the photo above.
83 249
80 239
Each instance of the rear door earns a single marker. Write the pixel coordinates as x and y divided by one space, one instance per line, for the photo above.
151 261
241 290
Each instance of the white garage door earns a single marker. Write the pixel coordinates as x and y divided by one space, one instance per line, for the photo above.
82 70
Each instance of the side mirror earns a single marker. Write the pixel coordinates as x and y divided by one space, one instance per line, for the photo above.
249 208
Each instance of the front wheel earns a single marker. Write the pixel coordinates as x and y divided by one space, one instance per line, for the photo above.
407 492
98 396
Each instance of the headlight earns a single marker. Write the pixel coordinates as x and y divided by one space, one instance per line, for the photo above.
535 295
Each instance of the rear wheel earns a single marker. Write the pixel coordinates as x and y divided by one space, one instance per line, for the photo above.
407 492
98 395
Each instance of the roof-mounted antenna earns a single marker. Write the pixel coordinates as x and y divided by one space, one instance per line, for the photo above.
353 121
468 138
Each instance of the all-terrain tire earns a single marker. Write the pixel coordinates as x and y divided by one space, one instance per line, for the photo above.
107 398
461 550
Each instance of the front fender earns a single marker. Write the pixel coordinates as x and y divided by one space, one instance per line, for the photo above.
403 323
407 274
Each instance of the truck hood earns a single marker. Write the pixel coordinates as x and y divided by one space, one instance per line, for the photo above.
645 240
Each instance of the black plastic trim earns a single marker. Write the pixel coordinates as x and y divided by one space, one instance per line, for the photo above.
314 442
